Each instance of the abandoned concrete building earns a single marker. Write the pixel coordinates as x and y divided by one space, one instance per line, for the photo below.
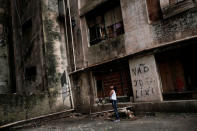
58 55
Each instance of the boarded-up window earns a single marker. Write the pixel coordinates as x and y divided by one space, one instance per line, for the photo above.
104 23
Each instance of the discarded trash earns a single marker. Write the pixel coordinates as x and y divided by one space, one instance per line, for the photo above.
126 112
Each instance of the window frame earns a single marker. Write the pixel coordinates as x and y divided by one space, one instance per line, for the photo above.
103 30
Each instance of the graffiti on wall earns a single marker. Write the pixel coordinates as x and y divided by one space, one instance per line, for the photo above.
142 83
65 86
141 69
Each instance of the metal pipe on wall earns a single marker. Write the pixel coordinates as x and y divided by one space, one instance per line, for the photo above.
66 33
72 38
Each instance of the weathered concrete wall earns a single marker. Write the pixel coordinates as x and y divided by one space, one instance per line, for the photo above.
145 79
82 3
139 34
82 92
103 51
85 55
137 30
55 49
55 54
52 42
28 47
88 5
46 50
76 32
4 68
106 50
15 107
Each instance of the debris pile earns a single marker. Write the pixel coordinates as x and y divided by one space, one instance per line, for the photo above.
126 112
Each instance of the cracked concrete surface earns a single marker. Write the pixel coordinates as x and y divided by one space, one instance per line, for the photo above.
159 122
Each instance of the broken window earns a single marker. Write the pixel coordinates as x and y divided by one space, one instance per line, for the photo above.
104 23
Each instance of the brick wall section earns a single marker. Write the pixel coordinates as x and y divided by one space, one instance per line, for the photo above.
120 79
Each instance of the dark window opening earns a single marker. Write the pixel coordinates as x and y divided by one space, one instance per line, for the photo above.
95 34
27 26
30 73
61 8
178 73
27 39
100 90
104 23
99 85
27 31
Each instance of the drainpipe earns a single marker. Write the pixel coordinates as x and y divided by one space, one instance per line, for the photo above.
73 47
66 33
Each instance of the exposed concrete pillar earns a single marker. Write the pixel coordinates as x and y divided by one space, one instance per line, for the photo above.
145 79
4 68
55 54
82 84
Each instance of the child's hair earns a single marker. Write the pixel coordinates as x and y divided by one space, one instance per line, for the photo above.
115 88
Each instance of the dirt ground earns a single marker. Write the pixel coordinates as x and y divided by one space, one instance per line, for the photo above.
156 122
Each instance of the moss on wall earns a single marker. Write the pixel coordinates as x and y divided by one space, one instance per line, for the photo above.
52 35
15 107
4 46
51 61
106 50
19 107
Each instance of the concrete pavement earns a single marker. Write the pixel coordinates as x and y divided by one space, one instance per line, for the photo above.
159 122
